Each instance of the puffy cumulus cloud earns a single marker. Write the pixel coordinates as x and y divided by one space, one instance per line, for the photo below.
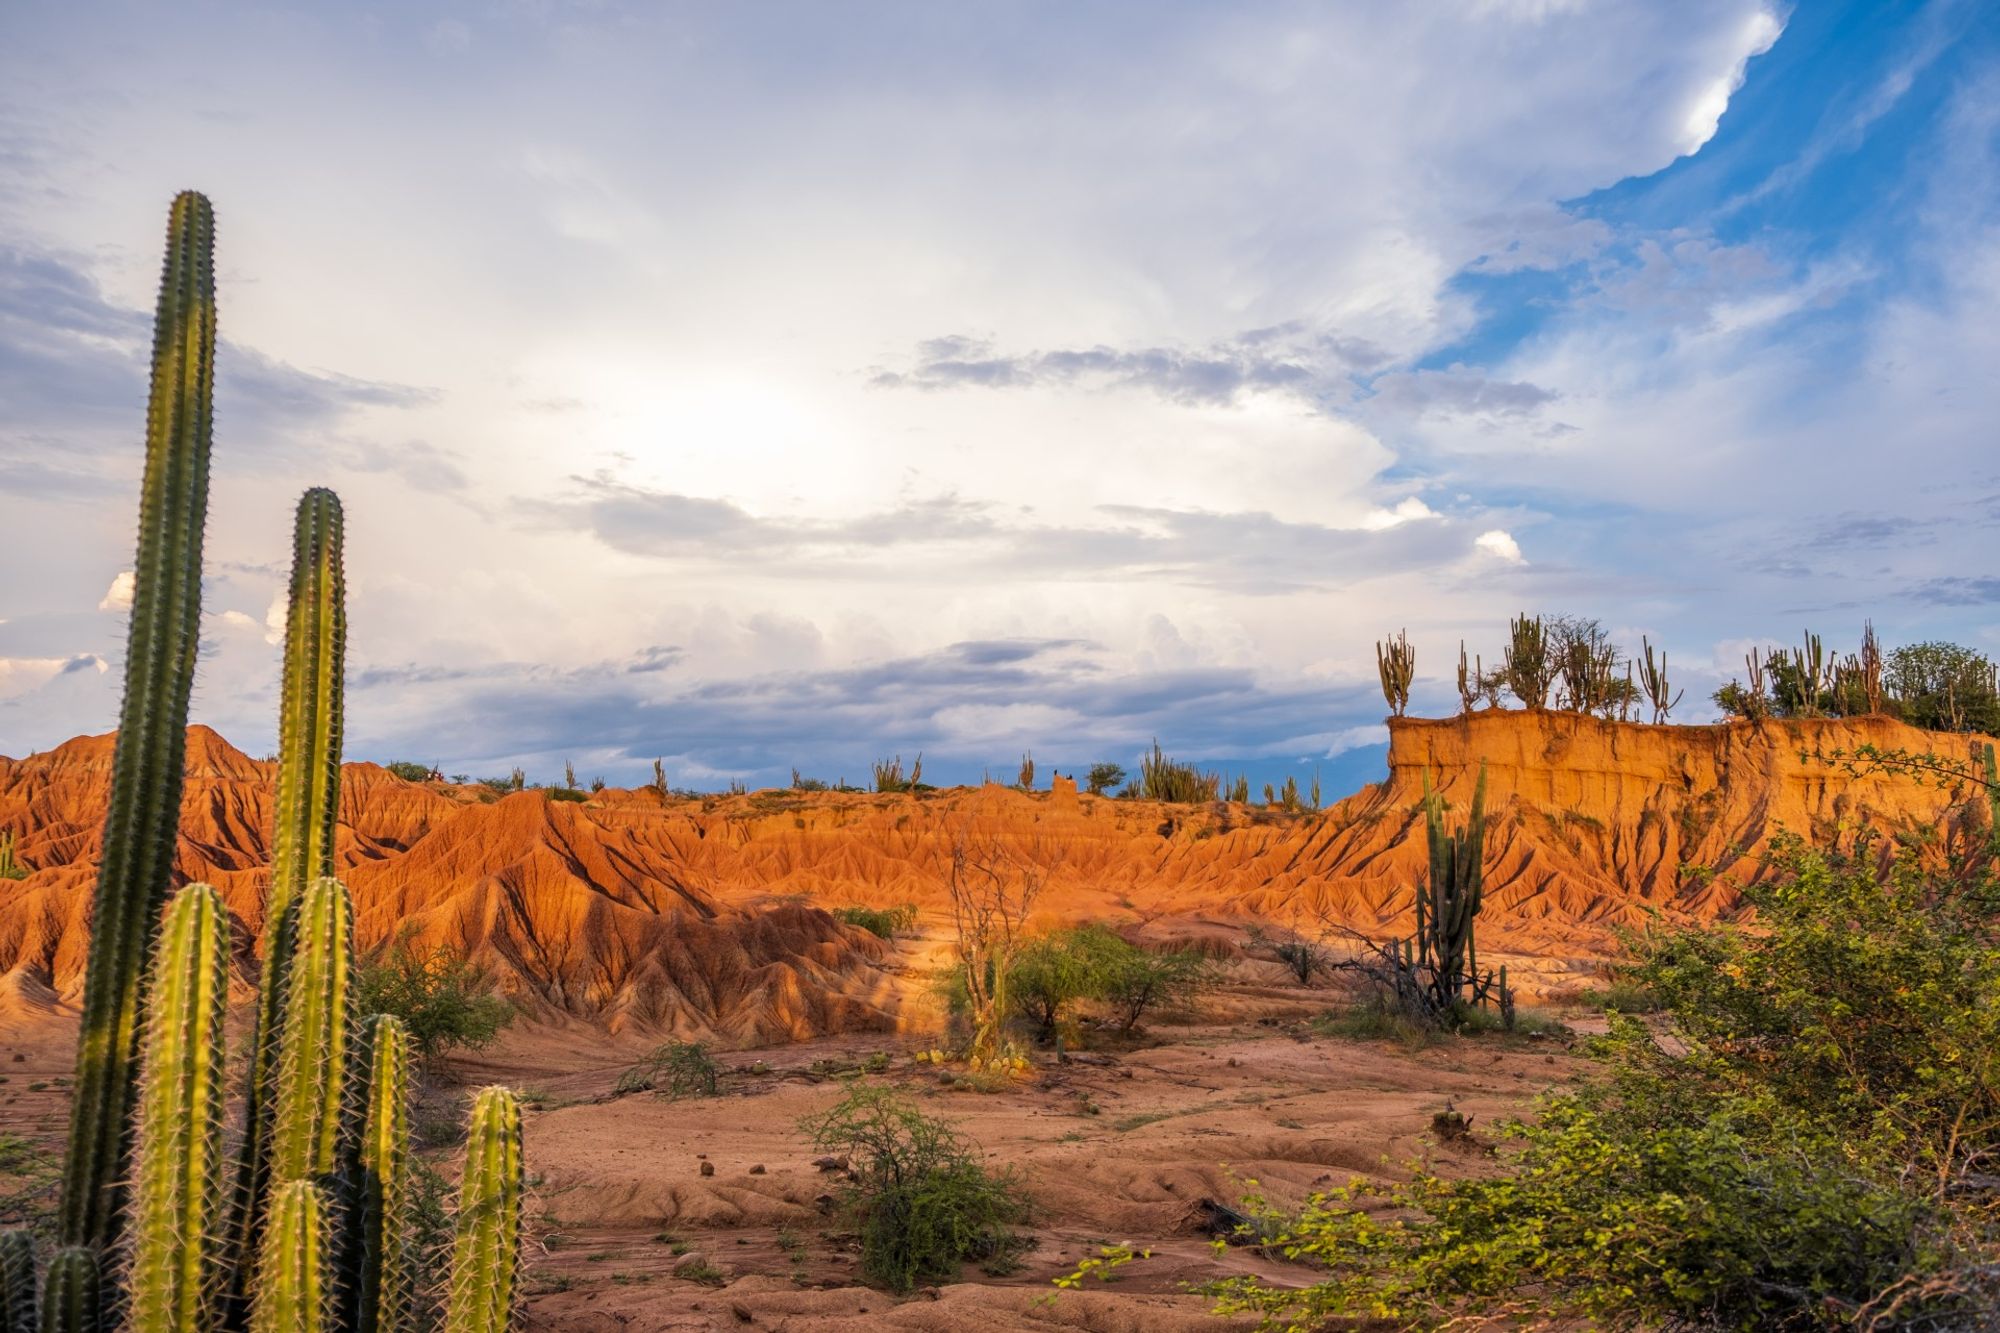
1499 544
119 596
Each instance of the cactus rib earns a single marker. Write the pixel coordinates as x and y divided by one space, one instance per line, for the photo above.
140 830
291 1294
17 1282
70 1295
317 1040
381 1286
487 1246
303 814
176 1245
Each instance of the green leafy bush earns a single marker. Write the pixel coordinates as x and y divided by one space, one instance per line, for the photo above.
1805 1147
1138 982
408 770
887 922
567 794
1103 778
678 1069
1053 974
923 1201
444 1000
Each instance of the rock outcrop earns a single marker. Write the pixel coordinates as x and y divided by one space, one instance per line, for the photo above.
709 916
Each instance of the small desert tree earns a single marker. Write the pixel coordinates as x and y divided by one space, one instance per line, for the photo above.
991 888
1103 778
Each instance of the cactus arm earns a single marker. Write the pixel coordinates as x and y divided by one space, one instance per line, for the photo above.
142 824
318 1039
70 1293
176 1200
17 1282
303 814
291 1295
381 1285
487 1246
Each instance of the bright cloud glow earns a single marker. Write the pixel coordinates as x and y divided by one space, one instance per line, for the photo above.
778 384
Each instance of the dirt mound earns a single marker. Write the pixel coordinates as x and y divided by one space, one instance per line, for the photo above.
708 916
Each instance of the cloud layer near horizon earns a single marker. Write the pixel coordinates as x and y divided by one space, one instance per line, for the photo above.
723 382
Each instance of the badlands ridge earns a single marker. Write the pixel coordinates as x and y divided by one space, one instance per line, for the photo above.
710 916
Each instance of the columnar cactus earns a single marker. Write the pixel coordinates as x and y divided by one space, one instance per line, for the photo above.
316 1041
307 800
177 1222
1449 899
71 1299
1396 663
381 1284
140 830
17 1282
291 1291
488 1243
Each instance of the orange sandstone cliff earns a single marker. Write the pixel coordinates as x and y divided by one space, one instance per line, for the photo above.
709 916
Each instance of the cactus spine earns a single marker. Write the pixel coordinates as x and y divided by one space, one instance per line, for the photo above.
70 1296
17 1282
291 1294
489 1218
307 800
317 1040
140 829
381 1287
176 1246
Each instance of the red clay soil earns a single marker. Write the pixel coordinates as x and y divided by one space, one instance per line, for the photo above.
707 917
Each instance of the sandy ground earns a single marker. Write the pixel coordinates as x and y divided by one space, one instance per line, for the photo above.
1121 1151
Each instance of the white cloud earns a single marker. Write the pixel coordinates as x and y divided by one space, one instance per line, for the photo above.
1499 544
275 616
119 597
1704 117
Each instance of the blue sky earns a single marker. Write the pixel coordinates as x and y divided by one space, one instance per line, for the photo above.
789 384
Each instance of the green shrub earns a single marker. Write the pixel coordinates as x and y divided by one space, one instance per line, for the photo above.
1137 982
1051 973
678 1069
444 1000
408 770
1103 777
887 922
1055 973
1376 1019
924 1203
567 794
1809 1135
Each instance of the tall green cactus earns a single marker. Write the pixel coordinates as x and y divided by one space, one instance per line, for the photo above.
381 1286
17 1282
1449 899
307 800
140 830
177 1223
71 1298
487 1247
316 1041
291 1291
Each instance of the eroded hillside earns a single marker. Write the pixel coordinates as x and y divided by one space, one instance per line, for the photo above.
709 916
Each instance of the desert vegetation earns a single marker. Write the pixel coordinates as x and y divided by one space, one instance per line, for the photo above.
1570 663
1803 1139
309 1222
